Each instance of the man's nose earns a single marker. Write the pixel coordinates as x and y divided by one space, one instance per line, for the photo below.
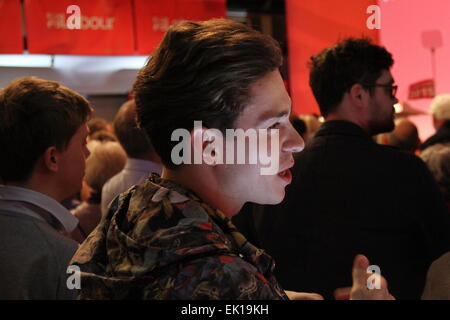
395 100
295 143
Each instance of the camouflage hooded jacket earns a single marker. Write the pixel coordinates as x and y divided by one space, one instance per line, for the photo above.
160 241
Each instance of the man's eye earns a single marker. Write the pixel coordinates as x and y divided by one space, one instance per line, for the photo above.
275 126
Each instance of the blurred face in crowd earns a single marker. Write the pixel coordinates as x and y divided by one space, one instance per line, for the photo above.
269 107
71 163
381 105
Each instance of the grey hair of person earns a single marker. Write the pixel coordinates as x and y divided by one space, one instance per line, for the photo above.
437 158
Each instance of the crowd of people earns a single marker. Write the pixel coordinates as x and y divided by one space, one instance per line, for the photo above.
355 187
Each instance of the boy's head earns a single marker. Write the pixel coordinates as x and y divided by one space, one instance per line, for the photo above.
201 71
43 130
224 74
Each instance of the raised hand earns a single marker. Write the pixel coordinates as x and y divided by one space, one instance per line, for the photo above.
293 295
360 289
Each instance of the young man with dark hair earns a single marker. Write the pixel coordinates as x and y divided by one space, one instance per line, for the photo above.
171 237
43 141
350 195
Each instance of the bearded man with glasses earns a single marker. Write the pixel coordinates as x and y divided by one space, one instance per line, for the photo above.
350 195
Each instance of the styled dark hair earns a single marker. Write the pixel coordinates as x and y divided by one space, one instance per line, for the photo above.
132 138
335 70
36 114
201 71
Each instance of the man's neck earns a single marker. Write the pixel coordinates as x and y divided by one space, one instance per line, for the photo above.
205 186
349 118
34 187
150 156
35 183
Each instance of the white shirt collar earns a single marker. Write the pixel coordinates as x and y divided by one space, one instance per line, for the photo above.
18 199
147 166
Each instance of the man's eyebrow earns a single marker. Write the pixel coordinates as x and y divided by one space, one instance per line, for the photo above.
269 116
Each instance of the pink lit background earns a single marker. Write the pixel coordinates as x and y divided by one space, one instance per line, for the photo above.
402 24
313 25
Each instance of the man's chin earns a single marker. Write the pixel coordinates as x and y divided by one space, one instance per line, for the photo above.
392 125
273 198
388 127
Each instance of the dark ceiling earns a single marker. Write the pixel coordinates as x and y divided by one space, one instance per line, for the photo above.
263 6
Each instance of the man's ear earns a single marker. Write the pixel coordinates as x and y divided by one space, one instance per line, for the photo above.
202 146
50 158
197 144
357 93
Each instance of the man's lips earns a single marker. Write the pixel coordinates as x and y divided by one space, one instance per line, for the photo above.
287 167
286 175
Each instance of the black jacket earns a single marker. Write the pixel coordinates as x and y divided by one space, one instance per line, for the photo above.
349 196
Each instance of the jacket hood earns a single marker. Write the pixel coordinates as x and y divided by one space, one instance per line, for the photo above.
155 225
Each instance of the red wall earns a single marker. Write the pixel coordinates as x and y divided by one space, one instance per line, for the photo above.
313 25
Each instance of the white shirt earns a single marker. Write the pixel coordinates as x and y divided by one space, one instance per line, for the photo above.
35 204
135 171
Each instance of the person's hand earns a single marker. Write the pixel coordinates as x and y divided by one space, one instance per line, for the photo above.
293 295
342 293
360 290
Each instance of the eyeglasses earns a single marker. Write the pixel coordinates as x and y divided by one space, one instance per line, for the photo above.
392 89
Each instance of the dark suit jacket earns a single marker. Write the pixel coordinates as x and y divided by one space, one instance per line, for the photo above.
349 196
